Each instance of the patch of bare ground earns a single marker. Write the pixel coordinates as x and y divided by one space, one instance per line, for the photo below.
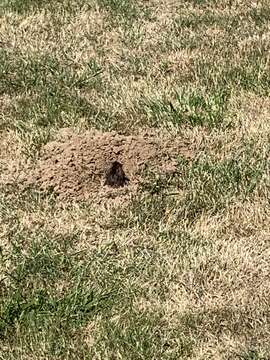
73 165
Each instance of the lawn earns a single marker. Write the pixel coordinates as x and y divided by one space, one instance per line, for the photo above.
179 268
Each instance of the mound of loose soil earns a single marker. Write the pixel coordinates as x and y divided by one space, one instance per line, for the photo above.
74 165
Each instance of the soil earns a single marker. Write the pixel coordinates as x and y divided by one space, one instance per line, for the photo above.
74 165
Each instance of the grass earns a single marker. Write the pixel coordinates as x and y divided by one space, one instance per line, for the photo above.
192 107
181 271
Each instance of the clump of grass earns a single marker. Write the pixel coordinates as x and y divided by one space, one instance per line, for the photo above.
192 108
211 186
21 6
52 98
31 296
126 9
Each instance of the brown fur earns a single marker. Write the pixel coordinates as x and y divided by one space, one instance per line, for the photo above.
115 175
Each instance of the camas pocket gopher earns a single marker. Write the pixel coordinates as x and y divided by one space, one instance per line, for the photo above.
115 175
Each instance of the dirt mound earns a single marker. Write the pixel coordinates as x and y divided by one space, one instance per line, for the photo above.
74 165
